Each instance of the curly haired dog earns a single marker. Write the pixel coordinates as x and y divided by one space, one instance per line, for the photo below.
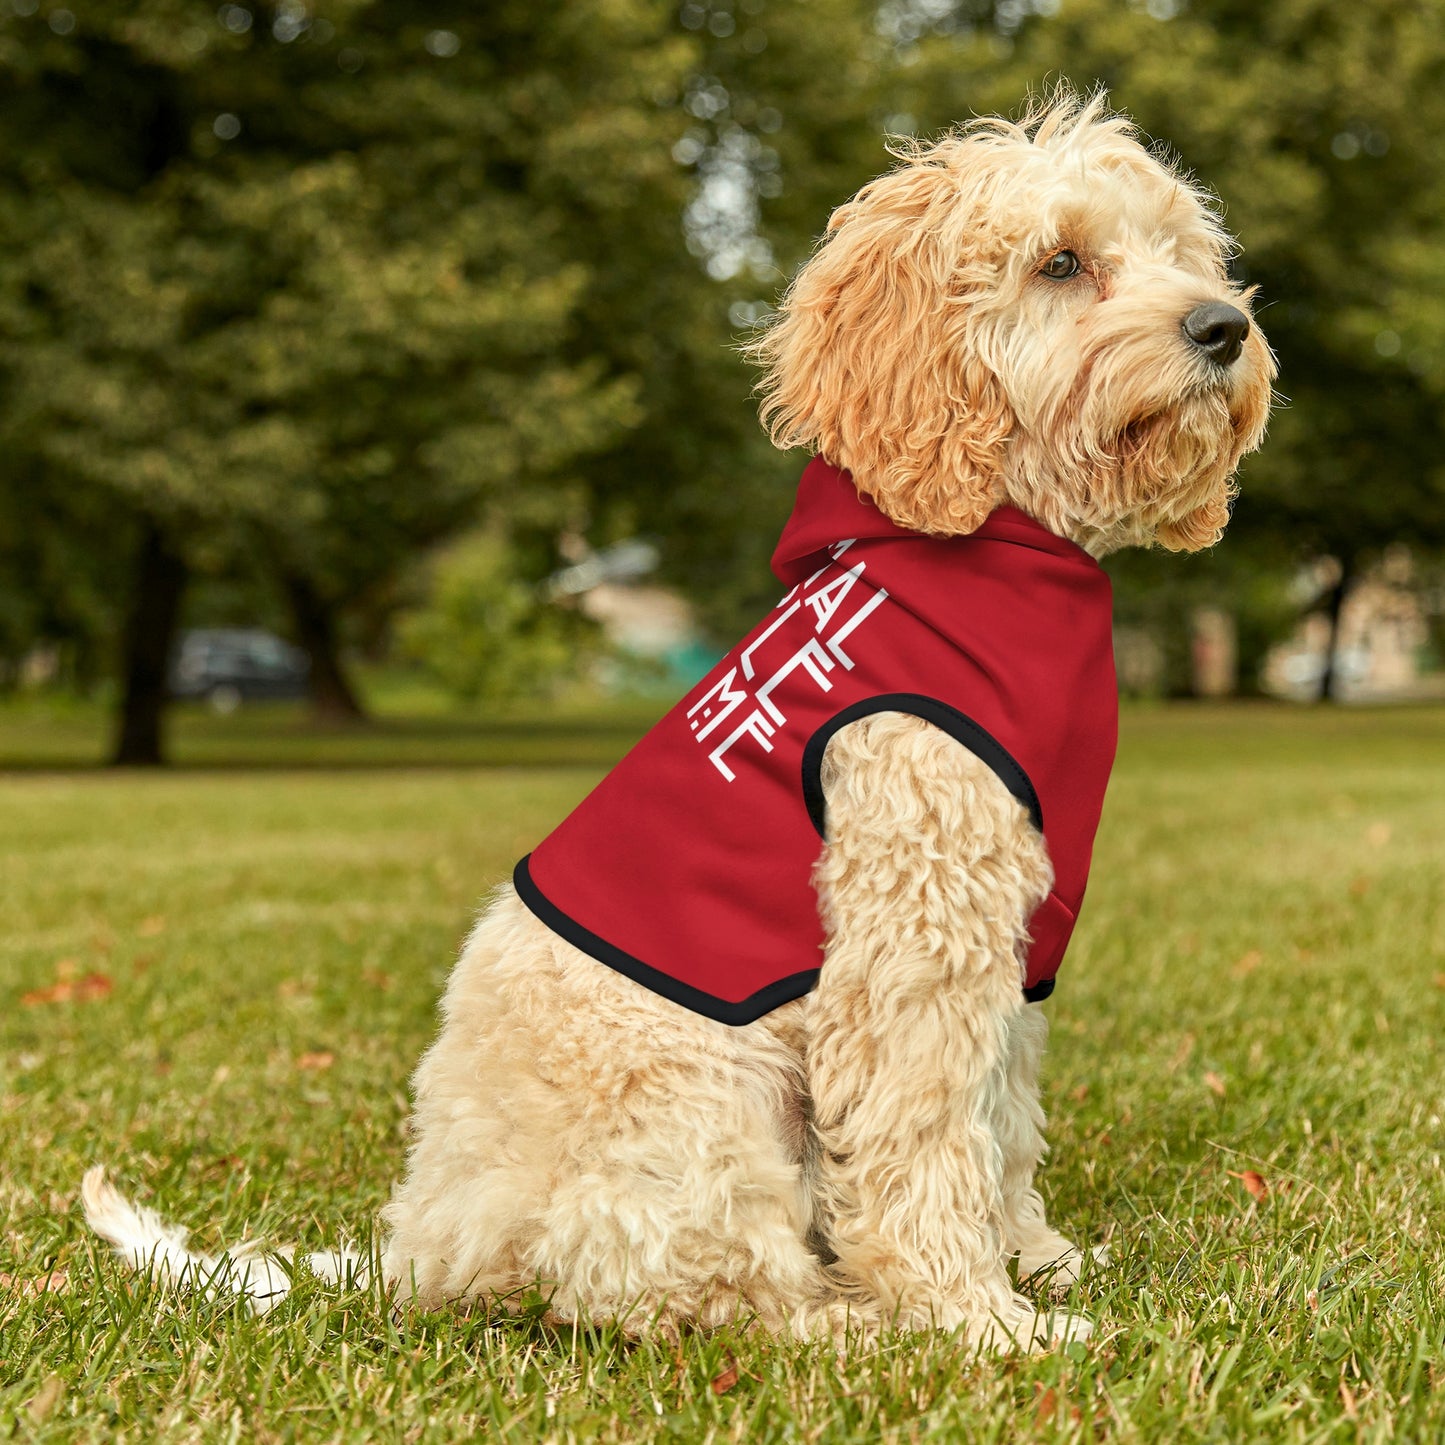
1025 331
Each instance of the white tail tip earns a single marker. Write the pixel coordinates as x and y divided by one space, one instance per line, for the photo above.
147 1243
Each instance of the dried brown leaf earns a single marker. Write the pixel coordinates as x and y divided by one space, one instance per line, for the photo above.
724 1382
64 990
317 1060
1046 1407
1248 963
1181 1054
1254 1183
45 1399
56 993
1347 1399
56 1282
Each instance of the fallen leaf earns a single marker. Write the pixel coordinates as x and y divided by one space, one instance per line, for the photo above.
724 1382
1248 963
320 1059
1080 1094
1046 1408
83 990
56 1282
45 1399
1181 1054
1214 1083
1254 1183
56 993
151 927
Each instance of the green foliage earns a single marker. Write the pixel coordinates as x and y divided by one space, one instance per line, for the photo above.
317 286
314 286
323 296
1160 594
485 633
1317 121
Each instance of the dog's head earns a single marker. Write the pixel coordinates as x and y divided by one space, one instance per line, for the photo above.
1036 313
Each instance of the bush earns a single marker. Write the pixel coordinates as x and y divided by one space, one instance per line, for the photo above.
486 633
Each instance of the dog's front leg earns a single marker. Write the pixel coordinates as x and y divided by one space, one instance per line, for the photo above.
1019 1127
928 879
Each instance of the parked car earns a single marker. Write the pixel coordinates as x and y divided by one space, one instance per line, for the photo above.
230 665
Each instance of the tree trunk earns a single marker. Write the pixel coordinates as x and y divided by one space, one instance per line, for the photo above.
1329 678
150 631
333 699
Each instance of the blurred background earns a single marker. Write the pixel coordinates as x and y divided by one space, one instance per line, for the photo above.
363 359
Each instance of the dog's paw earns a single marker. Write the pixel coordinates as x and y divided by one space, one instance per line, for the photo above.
1059 1327
1024 1327
1058 1267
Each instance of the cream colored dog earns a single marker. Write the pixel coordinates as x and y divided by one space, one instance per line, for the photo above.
1036 314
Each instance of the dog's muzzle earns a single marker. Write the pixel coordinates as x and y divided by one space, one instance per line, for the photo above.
1218 330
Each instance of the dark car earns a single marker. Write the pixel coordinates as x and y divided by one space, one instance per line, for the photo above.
231 665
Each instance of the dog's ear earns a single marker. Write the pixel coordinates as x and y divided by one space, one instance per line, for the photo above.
873 359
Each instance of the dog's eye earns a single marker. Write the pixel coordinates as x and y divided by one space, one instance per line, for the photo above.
1060 266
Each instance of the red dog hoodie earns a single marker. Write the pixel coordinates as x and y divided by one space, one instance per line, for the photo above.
689 867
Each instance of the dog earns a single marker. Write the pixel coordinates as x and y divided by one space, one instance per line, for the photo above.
695 1069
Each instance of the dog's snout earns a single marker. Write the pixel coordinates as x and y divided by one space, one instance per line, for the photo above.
1218 331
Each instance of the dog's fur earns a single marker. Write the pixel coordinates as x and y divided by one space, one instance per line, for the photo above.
864 1155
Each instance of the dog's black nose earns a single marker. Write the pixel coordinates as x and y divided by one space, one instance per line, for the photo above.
1218 331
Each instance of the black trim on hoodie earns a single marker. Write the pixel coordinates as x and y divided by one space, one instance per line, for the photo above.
745 1011
956 724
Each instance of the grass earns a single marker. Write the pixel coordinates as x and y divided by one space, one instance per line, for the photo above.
217 980
409 729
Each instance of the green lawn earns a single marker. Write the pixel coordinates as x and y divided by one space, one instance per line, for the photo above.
216 980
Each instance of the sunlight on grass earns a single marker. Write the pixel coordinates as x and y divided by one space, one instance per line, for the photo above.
217 981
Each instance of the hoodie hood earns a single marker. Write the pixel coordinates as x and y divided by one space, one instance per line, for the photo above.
829 509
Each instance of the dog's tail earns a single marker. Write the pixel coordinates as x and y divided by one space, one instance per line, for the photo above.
147 1243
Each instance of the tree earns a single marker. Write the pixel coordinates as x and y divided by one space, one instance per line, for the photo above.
308 289
1318 122
777 118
